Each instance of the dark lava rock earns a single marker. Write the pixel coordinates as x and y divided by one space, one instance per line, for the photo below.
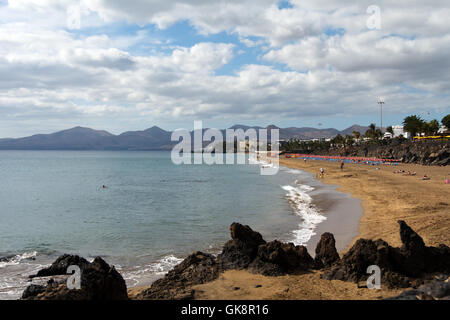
326 253
32 291
422 152
239 252
434 290
413 250
400 267
416 258
99 281
196 269
364 253
406 295
276 258
59 267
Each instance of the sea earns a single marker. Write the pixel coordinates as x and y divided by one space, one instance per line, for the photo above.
143 214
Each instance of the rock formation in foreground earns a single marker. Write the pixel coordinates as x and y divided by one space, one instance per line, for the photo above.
412 265
438 289
400 267
99 281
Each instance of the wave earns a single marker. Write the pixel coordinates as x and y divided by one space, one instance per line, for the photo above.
14 272
140 275
16 259
301 203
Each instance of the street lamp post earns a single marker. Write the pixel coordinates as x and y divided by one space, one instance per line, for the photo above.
381 102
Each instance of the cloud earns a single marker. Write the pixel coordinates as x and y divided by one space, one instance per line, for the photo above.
312 59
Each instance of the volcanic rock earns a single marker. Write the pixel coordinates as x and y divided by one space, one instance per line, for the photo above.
276 258
326 253
438 289
99 281
61 264
242 249
196 269
400 267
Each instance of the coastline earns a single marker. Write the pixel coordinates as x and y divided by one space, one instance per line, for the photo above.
387 197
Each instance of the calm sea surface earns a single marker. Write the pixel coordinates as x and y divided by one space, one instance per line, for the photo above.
151 214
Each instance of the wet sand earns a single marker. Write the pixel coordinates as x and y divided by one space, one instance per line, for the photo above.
386 197
343 214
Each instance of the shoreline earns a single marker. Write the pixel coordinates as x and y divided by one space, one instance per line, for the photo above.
340 210
387 197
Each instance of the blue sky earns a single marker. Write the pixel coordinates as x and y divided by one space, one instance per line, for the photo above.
132 65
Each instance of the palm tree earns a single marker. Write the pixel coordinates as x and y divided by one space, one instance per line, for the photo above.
371 132
356 134
413 125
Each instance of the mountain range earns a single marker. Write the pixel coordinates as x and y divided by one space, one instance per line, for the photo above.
154 138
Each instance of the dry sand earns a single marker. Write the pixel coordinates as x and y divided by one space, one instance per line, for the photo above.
242 285
386 197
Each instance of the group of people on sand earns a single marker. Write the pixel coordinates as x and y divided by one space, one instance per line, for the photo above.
409 173
403 172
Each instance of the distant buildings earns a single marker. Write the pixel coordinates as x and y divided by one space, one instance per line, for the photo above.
398 131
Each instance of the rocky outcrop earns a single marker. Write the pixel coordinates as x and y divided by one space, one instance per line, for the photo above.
326 253
400 267
61 264
32 291
99 281
246 250
196 269
276 258
410 265
242 249
438 289
421 152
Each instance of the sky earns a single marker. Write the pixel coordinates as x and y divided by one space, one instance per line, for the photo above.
122 65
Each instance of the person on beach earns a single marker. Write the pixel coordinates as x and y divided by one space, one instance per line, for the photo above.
322 172
342 165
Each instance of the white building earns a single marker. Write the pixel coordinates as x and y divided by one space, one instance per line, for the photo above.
398 131
442 129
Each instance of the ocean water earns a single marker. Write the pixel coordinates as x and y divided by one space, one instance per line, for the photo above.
151 214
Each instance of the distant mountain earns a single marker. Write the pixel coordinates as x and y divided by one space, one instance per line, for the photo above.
154 138
75 138
354 127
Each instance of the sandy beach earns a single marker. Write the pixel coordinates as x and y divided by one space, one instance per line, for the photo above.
386 197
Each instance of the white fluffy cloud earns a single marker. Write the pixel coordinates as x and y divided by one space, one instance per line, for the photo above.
317 58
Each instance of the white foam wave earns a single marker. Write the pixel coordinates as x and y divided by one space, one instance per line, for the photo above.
14 260
301 203
146 274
